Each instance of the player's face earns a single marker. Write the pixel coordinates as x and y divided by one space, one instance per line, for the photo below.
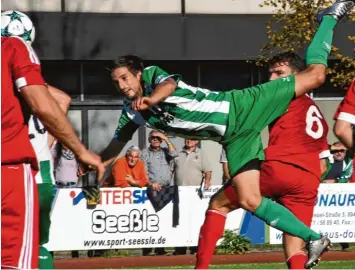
280 70
132 158
126 82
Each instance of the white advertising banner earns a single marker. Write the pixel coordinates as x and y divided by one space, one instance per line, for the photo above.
125 218
334 214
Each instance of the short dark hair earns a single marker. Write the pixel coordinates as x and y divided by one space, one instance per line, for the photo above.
293 60
132 62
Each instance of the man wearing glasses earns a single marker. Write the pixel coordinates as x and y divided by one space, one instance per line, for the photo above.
340 171
159 164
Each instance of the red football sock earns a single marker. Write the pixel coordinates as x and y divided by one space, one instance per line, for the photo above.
297 261
211 231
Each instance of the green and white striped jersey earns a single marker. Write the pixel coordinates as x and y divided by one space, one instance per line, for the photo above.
39 140
188 112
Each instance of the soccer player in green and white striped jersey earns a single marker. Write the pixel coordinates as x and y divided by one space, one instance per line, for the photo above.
235 118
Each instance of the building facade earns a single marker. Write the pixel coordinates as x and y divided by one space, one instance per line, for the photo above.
208 42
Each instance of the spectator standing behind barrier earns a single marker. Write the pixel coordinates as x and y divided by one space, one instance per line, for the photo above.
339 171
159 163
129 171
191 168
65 166
224 161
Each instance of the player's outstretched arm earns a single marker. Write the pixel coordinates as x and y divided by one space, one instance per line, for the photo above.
344 131
44 106
161 92
112 150
63 101
309 79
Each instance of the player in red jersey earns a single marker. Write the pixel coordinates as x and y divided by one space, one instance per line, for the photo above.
345 121
19 201
290 174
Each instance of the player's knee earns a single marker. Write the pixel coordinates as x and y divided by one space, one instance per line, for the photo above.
220 205
250 203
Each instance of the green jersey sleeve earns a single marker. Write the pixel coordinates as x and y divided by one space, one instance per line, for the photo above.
125 128
154 75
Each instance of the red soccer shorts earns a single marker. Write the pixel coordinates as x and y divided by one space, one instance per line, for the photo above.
19 217
289 185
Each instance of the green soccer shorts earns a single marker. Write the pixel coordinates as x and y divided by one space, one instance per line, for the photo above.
252 109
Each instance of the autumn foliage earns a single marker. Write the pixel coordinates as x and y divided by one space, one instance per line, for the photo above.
292 27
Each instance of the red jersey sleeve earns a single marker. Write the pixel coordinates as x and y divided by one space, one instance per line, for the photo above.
346 109
26 67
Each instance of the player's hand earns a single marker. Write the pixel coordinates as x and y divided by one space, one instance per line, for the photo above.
142 103
207 184
83 169
93 162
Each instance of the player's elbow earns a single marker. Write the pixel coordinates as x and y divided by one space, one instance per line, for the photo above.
171 82
62 98
65 101
317 75
319 78
170 86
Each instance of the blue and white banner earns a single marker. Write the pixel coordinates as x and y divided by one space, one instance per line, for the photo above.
334 214
125 218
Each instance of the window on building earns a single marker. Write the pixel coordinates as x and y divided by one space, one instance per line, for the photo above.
225 75
187 69
261 75
64 75
97 81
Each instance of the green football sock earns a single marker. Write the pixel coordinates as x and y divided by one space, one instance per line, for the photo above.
45 259
282 219
320 47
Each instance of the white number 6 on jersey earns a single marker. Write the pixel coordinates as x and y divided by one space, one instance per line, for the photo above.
314 117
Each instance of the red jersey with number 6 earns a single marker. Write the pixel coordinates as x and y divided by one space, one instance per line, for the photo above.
299 137
20 67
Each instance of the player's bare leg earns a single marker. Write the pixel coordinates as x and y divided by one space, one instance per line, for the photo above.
246 185
213 226
294 251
